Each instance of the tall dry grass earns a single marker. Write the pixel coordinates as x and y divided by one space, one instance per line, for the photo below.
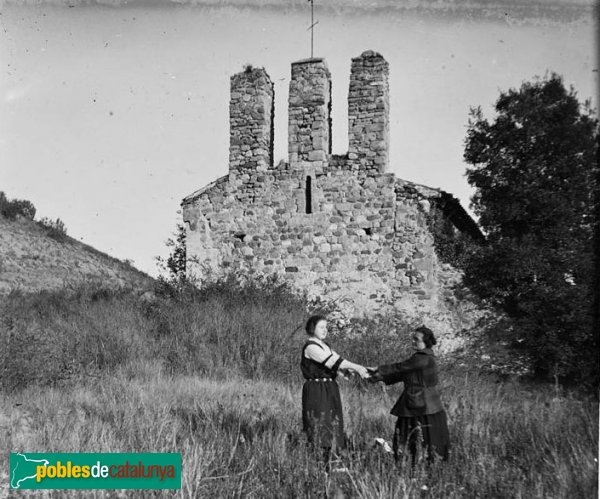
241 438
213 374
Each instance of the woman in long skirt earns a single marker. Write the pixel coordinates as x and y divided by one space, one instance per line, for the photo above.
322 417
421 423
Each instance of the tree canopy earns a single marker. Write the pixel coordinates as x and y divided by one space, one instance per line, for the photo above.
535 172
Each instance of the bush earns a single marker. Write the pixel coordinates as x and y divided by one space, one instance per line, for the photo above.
22 207
55 229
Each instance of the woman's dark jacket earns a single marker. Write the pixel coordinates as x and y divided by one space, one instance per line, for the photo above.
420 375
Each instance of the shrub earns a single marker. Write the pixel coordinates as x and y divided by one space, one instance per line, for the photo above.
176 263
55 229
22 207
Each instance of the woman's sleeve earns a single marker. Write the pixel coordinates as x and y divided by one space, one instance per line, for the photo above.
393 373
329 359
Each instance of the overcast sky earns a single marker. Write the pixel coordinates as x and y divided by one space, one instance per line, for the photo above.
113 111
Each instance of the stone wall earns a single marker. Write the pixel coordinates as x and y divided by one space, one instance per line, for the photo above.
366 239
251 113
336 226
368 112
309 130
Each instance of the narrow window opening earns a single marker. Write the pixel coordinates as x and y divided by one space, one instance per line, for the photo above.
308 194
272 131
368 231
330 119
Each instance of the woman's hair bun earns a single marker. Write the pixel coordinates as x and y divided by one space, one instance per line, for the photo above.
428 336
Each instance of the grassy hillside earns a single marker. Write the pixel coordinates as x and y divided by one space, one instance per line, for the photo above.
32 258
213 374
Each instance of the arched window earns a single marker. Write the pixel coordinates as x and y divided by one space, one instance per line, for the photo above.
308 194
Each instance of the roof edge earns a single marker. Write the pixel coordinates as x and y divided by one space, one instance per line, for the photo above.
196 194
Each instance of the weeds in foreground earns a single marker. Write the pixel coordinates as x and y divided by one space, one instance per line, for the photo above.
241 438
213 374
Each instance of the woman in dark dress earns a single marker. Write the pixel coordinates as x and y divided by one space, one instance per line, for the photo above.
322 417
421 417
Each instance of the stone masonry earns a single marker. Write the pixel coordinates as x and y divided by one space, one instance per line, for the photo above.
368 114
337 226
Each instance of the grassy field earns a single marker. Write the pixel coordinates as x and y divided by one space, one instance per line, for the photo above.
33 258
214 375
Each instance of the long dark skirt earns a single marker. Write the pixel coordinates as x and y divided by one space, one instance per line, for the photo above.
422 435
322 417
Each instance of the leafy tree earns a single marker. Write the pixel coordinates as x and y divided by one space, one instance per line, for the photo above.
175 264
535 171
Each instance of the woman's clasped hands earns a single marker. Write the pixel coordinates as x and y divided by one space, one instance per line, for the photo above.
368 373
362 371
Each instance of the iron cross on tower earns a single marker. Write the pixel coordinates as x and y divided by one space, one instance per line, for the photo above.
312 26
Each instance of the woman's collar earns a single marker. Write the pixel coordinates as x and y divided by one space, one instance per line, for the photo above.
317 340
426 351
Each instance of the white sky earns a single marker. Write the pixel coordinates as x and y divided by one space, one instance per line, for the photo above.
111 114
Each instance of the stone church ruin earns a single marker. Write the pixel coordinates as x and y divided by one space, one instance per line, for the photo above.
340 226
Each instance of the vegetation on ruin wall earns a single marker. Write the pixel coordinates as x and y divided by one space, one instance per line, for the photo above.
213 373
451 245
